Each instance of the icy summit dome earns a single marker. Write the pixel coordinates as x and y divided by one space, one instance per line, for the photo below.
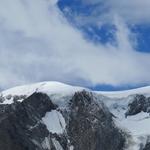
50 88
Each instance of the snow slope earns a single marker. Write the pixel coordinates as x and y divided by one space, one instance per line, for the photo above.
53 89
55 122
57 88
137 126
46 87
120 94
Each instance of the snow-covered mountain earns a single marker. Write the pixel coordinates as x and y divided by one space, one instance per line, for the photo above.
53 89
56 116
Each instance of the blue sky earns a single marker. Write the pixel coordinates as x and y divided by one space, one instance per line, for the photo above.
104 45
104 34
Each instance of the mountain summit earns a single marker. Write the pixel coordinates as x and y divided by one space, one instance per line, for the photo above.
56 116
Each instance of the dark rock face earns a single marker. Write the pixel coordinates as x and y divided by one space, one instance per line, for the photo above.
140 103
147 147
20 123
89 125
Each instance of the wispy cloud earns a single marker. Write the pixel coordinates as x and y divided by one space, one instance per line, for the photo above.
132 11
38 43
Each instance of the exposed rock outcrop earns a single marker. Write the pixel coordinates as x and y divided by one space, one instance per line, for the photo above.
20 126
138 104
147 146
89 125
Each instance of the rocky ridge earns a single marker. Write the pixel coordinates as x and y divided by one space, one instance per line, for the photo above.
89 125
54 116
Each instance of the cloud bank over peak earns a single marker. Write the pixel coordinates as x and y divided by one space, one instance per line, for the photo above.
38 43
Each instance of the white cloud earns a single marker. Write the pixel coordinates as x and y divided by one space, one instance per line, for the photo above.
37 43
132 11
136 11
